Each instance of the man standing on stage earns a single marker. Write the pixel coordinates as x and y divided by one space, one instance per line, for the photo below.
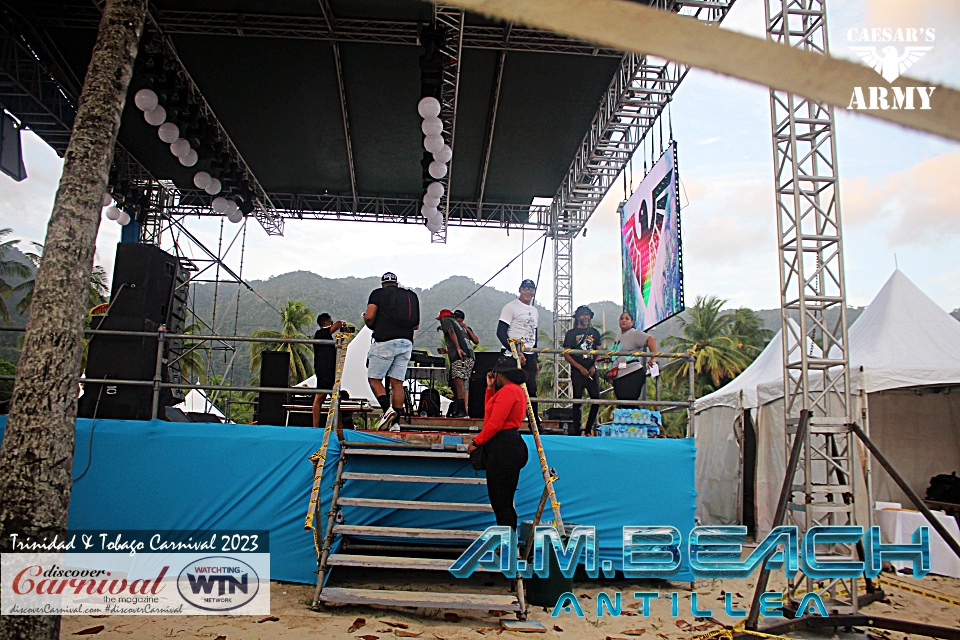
461 357
519 319
393 313
324 360
583 368
461 317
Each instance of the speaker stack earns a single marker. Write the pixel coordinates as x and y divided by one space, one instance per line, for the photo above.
149 289
274 372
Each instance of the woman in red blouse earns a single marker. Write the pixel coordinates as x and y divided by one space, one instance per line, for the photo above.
505 453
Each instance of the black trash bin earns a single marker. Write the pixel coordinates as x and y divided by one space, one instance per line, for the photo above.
544 592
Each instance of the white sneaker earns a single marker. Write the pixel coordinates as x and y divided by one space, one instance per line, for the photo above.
395 428
386 419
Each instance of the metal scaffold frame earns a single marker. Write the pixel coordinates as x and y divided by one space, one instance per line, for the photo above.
636 97
812 293
450 19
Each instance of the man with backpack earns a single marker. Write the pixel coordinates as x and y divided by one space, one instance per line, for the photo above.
393 313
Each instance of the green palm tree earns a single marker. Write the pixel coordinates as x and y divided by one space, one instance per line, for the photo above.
9 268
97 293
706 336
294 317
747 329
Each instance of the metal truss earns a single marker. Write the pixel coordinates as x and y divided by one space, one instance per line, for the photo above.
176 22
371 209
812 294
450 19
637 95
31 92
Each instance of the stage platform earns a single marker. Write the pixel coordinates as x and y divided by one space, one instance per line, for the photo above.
186 476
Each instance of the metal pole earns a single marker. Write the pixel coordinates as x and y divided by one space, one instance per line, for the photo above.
785 492
532 418
914 498
158 370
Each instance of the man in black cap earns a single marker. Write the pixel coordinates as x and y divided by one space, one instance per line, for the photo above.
519 320
583 368
393 313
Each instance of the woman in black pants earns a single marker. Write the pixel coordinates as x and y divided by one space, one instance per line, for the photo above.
631 370
505 453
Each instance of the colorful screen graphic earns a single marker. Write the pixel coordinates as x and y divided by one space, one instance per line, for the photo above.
650 229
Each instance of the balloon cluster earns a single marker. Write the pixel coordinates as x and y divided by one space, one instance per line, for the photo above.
432 127
154 113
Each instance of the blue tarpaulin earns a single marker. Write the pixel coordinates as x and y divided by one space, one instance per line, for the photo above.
192 477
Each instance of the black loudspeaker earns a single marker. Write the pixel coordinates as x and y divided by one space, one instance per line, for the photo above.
148 290
274 372
483 362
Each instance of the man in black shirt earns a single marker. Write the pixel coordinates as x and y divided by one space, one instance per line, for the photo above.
461 356
583 368
324 360
394 314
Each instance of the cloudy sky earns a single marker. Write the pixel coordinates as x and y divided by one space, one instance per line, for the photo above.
899 192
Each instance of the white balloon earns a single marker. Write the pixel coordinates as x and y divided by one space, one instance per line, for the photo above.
432 127
436 218
444 155
201 179
145 99
232 206
433 143
433 226
428 108
213 188
107 199
433 203
168 132
219 204
112 213
437 169
155 116
435 189
189 158
235 216
124 219
426 211
180 147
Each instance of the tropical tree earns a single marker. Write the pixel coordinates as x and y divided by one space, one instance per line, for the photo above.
748 331
97 292
37 451
294 317
9 268
706 335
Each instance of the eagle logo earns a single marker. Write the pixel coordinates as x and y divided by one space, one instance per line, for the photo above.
889 63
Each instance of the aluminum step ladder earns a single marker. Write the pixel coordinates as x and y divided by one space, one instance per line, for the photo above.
402 548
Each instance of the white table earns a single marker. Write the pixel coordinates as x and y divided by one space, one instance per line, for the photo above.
897 527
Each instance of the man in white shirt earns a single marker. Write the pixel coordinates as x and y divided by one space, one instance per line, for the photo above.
519 319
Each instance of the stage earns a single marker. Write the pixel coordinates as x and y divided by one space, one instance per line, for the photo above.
184 476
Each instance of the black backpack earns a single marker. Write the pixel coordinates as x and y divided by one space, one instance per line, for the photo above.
429 403
403 308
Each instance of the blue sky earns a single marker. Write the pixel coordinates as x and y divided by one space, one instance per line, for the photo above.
899 196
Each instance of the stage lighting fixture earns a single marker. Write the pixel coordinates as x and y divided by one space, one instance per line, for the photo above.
246 206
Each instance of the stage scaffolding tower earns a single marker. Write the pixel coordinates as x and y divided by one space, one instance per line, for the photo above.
636 97
812 295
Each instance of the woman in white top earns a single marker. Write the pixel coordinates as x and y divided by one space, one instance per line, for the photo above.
631 370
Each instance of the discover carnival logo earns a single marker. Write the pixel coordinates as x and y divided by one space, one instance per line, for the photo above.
891 52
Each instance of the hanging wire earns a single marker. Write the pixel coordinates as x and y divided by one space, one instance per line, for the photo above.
499 271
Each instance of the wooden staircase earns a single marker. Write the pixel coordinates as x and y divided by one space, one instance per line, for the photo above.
403 548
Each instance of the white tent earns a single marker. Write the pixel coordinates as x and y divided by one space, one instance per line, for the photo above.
904 359
355 380
196 401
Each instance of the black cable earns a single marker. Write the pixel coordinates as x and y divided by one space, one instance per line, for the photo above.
93 423
474 292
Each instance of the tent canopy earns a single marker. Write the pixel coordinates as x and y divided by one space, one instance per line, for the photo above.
903 339
196 401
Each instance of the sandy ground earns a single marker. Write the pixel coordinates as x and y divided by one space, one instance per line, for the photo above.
291 618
